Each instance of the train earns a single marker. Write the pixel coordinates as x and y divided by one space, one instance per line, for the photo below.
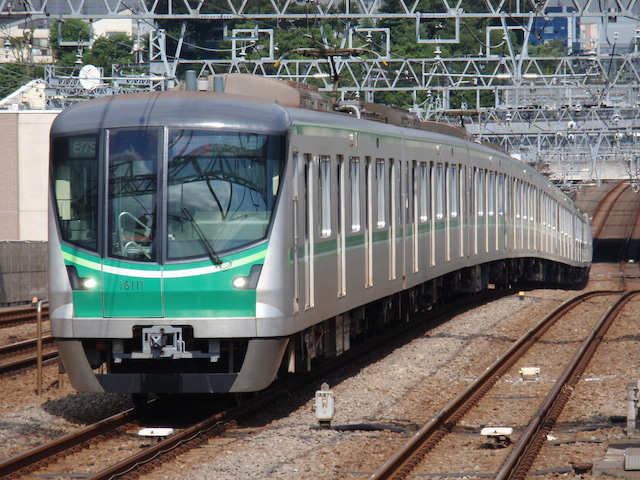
216 238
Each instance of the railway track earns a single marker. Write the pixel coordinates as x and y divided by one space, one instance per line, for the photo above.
39 457
24 354
412 454
122 427
19 316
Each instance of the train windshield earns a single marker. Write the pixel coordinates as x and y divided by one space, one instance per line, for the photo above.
133 185
76 188
221 188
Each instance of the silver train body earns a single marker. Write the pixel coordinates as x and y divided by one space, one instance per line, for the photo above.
366 224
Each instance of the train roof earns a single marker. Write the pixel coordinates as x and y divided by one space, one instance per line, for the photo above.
176 109
275 105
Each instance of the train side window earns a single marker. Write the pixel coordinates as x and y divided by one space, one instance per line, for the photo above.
380 187
424 192
354 182
75 186
501 194
325 195
491 194
480 192
517 198
454 192
440 195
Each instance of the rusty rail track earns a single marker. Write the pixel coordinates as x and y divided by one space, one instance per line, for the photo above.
23 354
32 460
526 450
19 316
400 465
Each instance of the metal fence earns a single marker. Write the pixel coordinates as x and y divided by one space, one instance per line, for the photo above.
23 272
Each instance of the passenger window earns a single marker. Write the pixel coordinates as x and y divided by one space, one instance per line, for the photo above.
439 191
492 194
454 201
354 182
424 191
380 187
325 195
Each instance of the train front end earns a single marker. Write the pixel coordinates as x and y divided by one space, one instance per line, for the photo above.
160 213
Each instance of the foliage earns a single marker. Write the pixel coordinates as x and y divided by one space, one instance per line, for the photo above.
551 48
106 51
15 75
69 30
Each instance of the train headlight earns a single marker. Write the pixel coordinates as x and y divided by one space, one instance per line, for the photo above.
240 282
250 282
78 282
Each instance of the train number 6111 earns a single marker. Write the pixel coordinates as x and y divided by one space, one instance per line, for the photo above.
132 285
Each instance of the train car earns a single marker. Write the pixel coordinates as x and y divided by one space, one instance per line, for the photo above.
207 241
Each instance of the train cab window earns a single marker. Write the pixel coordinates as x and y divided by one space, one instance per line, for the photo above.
132 189
222 189
75 186
324 189
354 182
381 197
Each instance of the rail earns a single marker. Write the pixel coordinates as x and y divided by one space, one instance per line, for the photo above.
524 453
411 454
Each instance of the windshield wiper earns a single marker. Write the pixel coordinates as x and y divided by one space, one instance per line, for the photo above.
203 239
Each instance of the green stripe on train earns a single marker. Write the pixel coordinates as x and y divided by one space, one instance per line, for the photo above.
194 289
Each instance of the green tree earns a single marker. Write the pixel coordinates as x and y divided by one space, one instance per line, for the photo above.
14 75
106 51
550 48
69 30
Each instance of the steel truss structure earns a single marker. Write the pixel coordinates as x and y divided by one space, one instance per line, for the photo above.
575 114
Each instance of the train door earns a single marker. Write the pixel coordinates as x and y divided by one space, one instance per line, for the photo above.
394 217
492 223
406 218
309 230
462 208
368 222
424 213
132 275
341 226
414 217
447 212
478 210
297 221
500 213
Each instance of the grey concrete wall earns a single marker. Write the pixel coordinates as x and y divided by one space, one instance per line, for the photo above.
23 272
